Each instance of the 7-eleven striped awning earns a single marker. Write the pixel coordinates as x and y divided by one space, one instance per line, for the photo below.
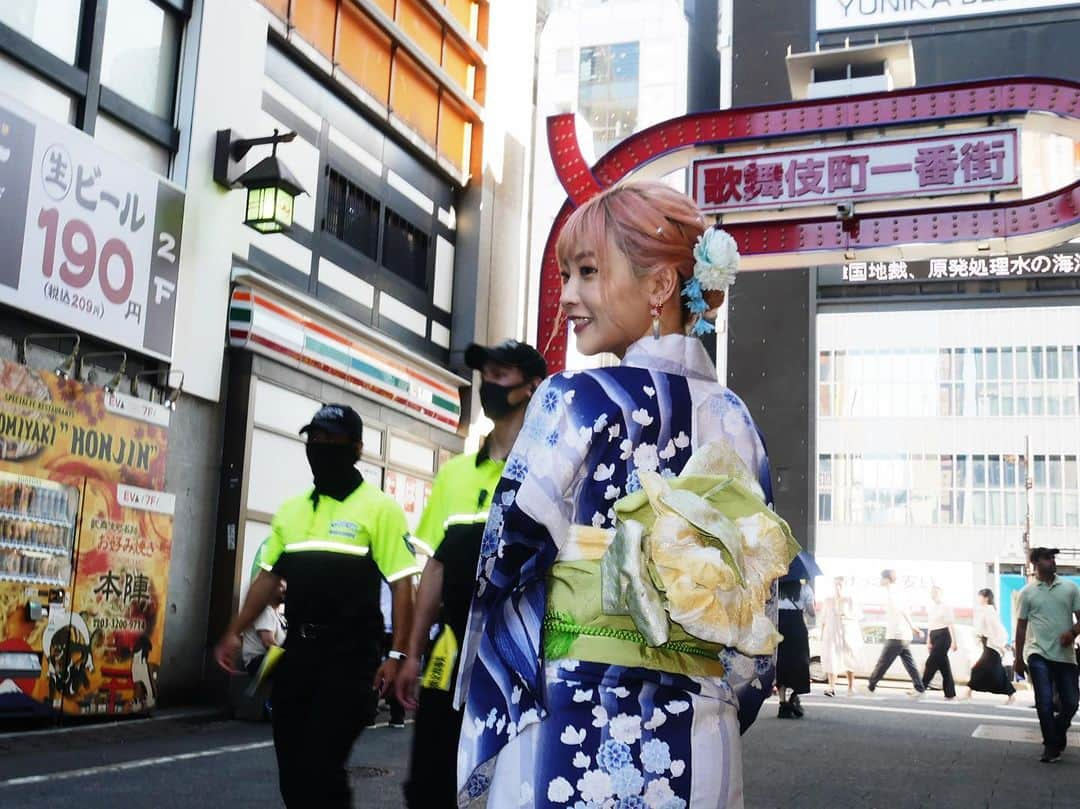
262 323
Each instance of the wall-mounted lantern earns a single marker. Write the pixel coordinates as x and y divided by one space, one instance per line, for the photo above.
271 187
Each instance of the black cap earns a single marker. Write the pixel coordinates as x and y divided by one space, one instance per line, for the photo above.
339 419
1039 553
508 352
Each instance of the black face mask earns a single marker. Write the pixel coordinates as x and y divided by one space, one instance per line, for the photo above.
495 399
332 465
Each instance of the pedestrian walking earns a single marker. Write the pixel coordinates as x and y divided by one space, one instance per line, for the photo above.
942 640
616 644
793 653
1046 637
988 674
899 630
334 543
841 637
451 530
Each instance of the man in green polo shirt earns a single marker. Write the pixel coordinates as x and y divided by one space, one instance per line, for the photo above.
334 544
451 530
1046 635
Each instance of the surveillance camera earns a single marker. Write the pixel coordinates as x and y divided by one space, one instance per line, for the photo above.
845 210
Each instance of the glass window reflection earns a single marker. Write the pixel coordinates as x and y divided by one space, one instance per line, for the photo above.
52 24
139 56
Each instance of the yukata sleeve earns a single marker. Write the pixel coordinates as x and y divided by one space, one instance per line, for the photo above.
500 678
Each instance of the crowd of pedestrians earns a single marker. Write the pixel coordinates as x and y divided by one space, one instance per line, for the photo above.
1046 653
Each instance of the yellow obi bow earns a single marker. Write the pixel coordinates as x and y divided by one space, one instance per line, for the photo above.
702 549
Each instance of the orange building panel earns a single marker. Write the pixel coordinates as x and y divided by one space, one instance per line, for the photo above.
414 97
280 8
314 21
363 51
457 63
454 135
462 11
421 27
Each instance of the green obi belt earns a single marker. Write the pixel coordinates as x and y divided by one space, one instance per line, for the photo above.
686 573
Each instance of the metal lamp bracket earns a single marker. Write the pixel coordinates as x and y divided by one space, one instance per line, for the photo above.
230 151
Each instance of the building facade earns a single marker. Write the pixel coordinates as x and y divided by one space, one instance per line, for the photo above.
898 424
620 67
406 244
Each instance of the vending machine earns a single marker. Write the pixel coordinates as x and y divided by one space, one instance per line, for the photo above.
37 545
85 545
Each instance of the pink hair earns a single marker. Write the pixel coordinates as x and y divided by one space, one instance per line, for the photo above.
650 223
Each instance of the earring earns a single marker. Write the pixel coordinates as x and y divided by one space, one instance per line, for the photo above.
655 310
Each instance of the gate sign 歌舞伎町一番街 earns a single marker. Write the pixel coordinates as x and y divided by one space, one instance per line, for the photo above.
836 15
916 166
87 239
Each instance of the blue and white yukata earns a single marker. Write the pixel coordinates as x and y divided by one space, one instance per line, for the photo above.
593 733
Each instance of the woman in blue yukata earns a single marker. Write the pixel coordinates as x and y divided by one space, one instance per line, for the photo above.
623 628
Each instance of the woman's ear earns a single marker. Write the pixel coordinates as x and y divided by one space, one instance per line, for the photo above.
663 284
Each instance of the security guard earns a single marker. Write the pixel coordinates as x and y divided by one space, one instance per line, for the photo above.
334 544
450 530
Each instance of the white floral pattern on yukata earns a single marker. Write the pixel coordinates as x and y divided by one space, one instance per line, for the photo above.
585 436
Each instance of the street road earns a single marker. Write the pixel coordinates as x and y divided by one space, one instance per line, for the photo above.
865 752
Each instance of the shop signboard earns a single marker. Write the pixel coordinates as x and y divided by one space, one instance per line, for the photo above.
834 15
85 544
88 239
917 166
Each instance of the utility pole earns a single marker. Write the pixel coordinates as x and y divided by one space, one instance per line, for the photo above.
1028 486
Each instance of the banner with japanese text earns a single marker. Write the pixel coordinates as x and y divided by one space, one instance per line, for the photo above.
917 166
118 597
88 239
58 426
85 544
1061 262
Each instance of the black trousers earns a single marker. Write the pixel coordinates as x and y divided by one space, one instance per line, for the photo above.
892 650
432 782
938 660
322 700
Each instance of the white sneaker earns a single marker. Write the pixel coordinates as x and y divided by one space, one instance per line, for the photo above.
916 695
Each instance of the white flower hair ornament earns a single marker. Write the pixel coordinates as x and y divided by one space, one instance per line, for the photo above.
716 261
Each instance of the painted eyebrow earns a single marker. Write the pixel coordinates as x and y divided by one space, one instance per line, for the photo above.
584 254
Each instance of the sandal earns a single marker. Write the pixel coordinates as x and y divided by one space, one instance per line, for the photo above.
830 693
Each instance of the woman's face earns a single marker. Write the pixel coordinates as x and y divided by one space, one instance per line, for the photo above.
607 306
982 599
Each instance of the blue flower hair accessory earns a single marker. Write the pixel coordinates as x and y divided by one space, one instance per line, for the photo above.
716 261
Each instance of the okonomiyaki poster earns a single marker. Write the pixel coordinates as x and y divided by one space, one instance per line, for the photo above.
121 583
82 471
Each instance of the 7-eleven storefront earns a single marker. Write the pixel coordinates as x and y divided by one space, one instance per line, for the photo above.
287 356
